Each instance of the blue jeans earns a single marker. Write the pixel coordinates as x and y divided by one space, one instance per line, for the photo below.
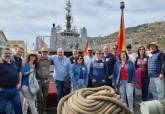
156 87
60 89
145 86
7 96
126 93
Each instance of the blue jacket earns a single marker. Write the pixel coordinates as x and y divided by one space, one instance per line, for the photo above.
25 75
131 75
24 71
155 63
110 61
98 71
75 74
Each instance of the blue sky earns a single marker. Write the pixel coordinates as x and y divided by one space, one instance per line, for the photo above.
26 19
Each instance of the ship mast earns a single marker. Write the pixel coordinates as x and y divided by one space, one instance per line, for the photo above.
68 15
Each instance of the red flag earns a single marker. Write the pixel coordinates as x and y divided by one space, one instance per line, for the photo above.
85 50
121 37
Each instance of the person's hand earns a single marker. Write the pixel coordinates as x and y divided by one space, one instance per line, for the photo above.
1 61
31 70
93 81
161 77
18 86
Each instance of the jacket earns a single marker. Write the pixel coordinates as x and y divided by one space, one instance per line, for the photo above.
97 71
155 63
131 75
109 61
75 74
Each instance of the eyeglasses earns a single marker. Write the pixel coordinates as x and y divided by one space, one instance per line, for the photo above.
141 49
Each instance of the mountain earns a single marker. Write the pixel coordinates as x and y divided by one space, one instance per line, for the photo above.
139 35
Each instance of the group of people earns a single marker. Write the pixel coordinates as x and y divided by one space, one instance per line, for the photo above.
16 74
97 68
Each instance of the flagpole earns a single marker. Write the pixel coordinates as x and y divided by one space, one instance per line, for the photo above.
122 6
121 35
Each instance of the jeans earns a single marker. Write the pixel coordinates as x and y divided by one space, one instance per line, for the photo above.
60 89
126 92
156 87
29 101
42 95
81 83
7 96
145 85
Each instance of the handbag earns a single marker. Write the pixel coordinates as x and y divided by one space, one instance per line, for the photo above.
33 84
138 78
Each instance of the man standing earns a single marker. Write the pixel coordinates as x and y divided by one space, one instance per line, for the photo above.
61 71
155 62
43 74
98 70
18 61
88 59
109 60
9 84
74 56
132 56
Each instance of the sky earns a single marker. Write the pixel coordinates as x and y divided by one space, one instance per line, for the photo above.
26 19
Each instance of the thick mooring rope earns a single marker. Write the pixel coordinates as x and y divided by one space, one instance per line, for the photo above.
101 100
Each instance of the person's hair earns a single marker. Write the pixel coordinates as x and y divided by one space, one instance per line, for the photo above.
28 58
5 49
127 57
139 52
98 50
82 58
20 48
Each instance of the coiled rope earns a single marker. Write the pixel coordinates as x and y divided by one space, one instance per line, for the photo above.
100 100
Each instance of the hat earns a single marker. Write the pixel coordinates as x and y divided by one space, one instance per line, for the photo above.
129 46
32 52
152 43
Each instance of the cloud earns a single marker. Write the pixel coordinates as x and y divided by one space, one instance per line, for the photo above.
27 19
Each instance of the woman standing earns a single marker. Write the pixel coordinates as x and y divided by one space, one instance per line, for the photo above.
28 69
124 78
79 74
141 64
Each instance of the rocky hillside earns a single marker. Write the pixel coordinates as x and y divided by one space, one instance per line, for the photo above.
139 35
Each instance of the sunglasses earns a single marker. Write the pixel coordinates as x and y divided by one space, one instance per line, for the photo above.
81 58
45 51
